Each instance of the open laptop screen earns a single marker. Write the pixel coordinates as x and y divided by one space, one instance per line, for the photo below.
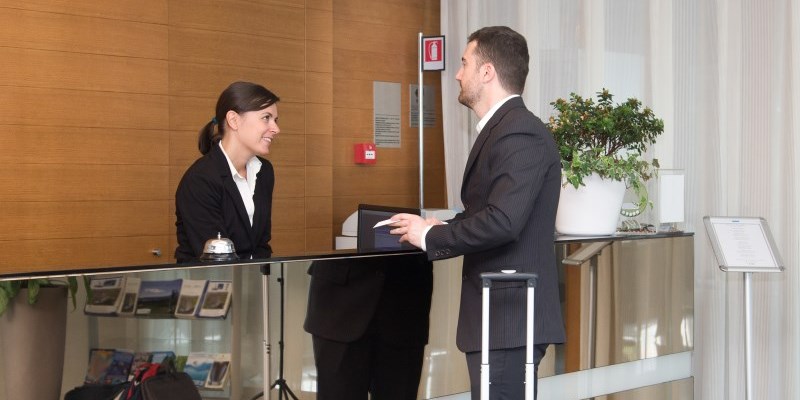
376 240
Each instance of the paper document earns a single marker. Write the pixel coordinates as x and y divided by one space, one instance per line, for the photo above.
384 222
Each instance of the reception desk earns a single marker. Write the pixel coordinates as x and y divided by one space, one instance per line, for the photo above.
628 303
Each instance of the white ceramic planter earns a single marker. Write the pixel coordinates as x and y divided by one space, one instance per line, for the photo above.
591 210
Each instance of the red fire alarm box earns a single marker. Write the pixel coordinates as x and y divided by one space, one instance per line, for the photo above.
364 153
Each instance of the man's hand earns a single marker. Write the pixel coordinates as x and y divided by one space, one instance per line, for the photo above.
410 227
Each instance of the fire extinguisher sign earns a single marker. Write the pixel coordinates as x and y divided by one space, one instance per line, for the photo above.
433 53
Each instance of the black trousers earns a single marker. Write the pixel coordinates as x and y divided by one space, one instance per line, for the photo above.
348 371
506 372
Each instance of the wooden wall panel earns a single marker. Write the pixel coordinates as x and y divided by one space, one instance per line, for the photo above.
64 70
78 182
79 145
288 241
319 150
152 11
80 34
288 213
80 253
289 182
246 18
213 47
208 80
80 108
27 220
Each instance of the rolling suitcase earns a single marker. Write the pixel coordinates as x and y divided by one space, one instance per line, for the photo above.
486 282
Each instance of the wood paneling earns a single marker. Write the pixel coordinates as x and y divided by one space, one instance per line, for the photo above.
406 13
320 119
73 145
319 239
79 182
288 241
370 180
79 108
319 212
319 25
27 220
288 213
319 88
318 150
246 18
79 253
235 49
79 34
208 80
319 181
64 70
368 36
152 11
289 182
319 56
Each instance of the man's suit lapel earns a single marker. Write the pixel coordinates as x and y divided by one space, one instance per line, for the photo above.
484 134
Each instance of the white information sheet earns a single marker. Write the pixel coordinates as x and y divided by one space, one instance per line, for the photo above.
386 114
743 244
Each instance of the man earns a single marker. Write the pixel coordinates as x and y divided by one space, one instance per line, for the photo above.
510 194
368 318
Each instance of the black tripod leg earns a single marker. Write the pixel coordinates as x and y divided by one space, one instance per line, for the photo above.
280 383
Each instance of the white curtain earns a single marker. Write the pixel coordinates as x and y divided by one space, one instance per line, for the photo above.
725 77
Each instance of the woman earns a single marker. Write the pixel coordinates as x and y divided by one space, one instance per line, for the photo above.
229 190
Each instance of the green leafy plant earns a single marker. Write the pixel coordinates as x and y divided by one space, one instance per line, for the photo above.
606 138
10 289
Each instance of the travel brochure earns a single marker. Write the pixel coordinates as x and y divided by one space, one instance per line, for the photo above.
178 298
113 366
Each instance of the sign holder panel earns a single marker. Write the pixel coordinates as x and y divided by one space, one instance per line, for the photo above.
744 244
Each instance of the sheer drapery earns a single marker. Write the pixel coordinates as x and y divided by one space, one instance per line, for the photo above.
725 77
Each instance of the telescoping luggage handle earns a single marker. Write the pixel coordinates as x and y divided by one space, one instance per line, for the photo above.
507 276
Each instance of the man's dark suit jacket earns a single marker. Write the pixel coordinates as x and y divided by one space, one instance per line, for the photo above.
346 295
207 202
510 193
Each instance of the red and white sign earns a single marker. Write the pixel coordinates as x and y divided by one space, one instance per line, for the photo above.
433 53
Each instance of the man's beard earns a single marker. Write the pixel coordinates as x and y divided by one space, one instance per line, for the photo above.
467 97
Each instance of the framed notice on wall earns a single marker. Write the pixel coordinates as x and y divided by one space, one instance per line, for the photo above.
743 244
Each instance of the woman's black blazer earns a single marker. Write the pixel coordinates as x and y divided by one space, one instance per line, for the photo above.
208 202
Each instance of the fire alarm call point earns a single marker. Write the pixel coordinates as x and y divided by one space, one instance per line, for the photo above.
365 153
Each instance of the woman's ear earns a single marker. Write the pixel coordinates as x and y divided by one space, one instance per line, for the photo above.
232 117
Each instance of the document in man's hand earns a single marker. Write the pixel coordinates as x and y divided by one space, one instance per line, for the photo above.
384 222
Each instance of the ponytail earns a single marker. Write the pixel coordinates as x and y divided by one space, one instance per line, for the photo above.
208 136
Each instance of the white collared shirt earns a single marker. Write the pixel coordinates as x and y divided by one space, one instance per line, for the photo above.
491 112
246 185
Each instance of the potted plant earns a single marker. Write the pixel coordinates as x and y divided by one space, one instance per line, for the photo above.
33 315
32 288
601 146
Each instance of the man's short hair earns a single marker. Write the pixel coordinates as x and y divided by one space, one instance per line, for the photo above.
507 50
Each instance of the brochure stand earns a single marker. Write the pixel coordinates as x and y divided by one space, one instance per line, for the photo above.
744 244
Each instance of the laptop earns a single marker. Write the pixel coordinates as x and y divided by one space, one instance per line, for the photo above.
379 240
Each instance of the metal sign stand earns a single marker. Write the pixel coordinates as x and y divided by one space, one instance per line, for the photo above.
744 244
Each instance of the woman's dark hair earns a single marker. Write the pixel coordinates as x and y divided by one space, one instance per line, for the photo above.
239 97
